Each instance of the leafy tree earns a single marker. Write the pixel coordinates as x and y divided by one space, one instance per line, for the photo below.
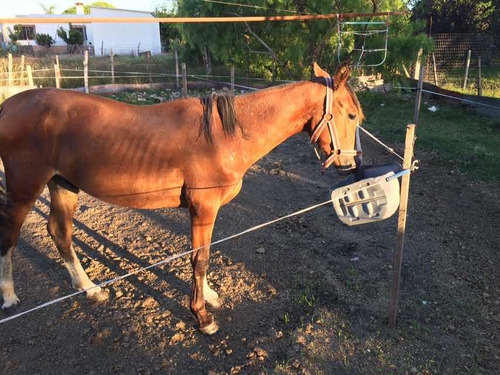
48 9
459 16
44 40
72 38
86 8
168 31
287 49
15 35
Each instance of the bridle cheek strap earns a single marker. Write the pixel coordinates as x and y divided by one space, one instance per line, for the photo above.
329 122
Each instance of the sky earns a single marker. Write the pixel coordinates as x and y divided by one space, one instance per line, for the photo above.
10 8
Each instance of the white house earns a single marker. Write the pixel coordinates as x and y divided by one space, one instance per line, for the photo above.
123 38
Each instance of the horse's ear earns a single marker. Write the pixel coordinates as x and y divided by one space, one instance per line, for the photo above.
318 72
342 75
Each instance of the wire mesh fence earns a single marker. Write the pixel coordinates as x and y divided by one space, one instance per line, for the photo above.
468 63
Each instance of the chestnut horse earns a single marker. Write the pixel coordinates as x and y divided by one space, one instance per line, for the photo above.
188 153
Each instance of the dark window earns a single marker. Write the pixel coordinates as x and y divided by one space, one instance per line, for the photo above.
28 33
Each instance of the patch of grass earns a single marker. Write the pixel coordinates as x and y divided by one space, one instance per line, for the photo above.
490 82
458 138
307 299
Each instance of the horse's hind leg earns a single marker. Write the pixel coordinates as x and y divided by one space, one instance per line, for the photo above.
22 194
15 211
63 200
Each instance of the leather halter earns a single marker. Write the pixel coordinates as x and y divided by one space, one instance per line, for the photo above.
328 120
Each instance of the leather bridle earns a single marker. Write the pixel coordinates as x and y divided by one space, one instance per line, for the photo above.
328 121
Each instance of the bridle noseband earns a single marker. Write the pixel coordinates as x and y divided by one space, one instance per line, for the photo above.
328 120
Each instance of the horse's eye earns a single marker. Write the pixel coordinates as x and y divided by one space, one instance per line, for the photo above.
352 116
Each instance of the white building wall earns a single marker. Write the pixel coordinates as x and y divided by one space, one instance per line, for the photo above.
42 28
124 38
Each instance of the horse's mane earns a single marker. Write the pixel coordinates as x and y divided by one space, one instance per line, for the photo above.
224 102
226 110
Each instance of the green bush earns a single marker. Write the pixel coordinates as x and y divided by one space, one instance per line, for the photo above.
44 40
72 38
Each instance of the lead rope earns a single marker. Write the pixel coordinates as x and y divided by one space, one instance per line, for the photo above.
164 261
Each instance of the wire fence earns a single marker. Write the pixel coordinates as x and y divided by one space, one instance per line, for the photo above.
68 70
468 63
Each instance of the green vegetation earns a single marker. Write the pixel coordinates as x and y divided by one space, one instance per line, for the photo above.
86 8
286 49
455 137
72 38
44 40
458 16
490 81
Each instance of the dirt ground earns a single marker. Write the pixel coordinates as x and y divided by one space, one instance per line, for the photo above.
308 295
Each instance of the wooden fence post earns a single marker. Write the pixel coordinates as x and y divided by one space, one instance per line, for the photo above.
403 206
10 70
21 78
184 81
435 69
30 75
112 65
57 74
467 63
418 98
176 68
479 88
86 71
232 79
418 63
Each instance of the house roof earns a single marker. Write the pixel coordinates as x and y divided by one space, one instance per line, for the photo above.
69 16
126 10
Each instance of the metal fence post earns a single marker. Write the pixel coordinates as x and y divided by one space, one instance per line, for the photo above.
479 88
467 63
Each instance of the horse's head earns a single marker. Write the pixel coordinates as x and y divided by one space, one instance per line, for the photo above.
335 129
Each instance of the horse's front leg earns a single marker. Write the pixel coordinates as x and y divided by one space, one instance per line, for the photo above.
202 224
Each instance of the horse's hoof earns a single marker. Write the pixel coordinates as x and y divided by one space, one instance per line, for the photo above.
215 302
99 296
210 328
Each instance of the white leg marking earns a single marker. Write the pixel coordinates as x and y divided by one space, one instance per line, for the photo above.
211 296
6 281
81 281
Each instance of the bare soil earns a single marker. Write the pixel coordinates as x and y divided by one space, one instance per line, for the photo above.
307 295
